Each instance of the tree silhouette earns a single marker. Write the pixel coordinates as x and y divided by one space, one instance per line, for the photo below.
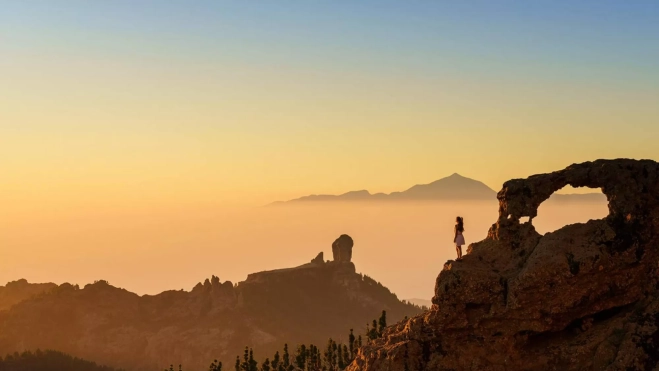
286 358
252 364
215 366
351 344
382 322
335 357
275 361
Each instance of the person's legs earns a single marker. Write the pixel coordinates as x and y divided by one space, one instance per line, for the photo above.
458 249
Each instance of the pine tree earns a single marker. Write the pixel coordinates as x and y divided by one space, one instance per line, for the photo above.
253 365
351 343
237 363
301 356
287 361
265 366
314 358
244 366
215 366
328 355
339 358
335 360
372 333
359 342
347 358
382 322
275 361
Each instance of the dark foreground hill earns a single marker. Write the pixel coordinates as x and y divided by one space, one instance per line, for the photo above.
47 361
585 297
216 320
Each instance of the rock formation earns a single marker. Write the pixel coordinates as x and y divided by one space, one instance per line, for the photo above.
319 259
342 249
215 320
584 297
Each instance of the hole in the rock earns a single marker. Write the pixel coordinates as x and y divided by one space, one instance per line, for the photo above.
524 219
570 206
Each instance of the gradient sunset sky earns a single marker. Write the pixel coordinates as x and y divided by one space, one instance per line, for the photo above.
128 104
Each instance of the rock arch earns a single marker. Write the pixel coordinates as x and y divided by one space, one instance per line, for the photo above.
631 188
583 297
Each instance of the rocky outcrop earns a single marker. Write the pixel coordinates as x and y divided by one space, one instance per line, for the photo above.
319 259
584 297
215 320
342 249
17 291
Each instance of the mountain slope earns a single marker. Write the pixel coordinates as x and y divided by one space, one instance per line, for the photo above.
47 361
215 320
420 302
17 291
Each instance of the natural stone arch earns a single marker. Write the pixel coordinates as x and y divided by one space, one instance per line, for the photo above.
631 188
532 302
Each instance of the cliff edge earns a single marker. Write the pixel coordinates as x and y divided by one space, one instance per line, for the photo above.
584 297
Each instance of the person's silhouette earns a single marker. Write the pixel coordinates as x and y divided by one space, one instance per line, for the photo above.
458 238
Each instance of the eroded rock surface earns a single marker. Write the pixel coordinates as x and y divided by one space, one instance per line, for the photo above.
584 297
342 249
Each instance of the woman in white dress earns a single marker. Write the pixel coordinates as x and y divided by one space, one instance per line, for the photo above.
459 239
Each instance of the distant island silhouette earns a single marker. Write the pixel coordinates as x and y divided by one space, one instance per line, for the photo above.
454 187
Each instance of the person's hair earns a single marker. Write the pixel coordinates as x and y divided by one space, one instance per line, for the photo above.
460 226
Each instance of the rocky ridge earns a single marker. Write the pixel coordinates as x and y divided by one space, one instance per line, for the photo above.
215 320
584 297
17 291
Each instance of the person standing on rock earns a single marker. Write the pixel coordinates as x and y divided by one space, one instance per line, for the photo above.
458 238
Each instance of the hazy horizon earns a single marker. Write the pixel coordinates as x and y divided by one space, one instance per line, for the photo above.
402 245
139 141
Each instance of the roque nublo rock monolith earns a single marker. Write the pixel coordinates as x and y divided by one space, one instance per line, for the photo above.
342 249
584 297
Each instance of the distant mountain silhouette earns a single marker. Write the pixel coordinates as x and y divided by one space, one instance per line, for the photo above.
454 187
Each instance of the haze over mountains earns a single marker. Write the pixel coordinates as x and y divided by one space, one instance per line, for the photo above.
215 320
452 188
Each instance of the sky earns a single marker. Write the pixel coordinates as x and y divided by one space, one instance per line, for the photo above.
120 108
